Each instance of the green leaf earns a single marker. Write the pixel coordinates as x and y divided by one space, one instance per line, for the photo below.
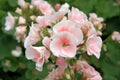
113 50
109 77
7 44
106 8
13 3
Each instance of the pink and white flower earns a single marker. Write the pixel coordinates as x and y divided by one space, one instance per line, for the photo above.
33 36
10 21
37 54
87 28
63 45
88 71
46 8
44 21
22 3
43 6
70 27
94 44
95 19
57 16
77 16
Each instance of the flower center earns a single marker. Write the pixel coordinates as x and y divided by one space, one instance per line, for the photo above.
65 44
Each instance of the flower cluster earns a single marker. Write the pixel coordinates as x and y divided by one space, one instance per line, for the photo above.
61 36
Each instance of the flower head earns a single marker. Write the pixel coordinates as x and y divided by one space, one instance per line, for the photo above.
94 44
77 16
63 45
37 54
70 27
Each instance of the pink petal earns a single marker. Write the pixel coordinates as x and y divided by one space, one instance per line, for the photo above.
69 26
32 53
46 8
46 42
94 44
32 38
77 16
61 62
63 44
39 64
22 3
10 21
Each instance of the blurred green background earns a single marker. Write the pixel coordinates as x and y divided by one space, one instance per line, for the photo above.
108 65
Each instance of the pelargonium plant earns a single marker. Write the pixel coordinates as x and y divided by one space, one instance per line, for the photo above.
62 36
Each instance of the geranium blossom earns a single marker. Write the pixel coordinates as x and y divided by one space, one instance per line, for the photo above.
33 36
61 37
77 16
69 26
88 71
88 28
43 6
37 54
94 44
63 45
95 19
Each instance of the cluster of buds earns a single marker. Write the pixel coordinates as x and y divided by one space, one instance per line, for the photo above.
61 36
